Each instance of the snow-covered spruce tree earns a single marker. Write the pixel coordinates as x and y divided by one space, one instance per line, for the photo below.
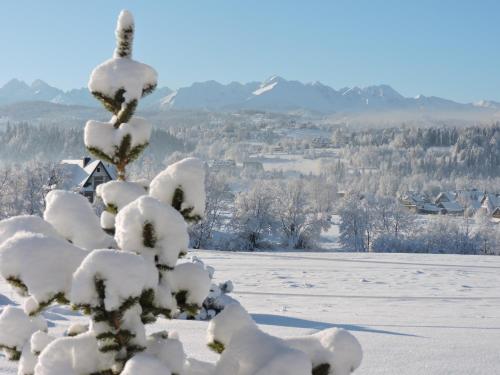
127 281
122 282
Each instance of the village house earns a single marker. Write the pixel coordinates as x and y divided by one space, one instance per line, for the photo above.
491 203
419 203
447 202
84 175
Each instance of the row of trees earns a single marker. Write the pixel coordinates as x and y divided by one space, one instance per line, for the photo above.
23 142
23 187
285 213
382 225
289 213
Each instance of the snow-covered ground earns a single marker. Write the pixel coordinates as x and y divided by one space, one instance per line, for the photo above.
413 313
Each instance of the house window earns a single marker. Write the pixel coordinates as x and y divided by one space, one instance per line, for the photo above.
98 169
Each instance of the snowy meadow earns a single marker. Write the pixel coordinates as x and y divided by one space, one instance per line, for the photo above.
441 311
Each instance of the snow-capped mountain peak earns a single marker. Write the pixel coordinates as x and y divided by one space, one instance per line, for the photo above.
275 94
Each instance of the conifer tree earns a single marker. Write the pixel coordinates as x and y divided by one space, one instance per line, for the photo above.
135 277
127 281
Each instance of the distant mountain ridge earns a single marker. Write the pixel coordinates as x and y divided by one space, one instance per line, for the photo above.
275 94
16 91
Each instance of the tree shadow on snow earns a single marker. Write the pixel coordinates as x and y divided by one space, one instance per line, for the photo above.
4 300
288 321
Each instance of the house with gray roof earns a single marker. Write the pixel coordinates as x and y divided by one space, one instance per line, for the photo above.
84 175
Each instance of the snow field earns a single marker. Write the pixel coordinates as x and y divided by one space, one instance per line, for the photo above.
412 313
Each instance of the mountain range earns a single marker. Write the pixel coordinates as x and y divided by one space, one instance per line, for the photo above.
275 94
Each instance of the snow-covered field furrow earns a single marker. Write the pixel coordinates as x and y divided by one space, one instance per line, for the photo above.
413 313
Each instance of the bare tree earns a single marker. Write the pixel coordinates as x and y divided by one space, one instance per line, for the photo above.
217 203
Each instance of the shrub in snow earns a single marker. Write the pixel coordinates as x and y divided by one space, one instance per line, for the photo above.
217 298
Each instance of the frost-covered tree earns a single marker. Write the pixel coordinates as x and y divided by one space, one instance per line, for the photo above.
354 223
216 207
301 218
253 216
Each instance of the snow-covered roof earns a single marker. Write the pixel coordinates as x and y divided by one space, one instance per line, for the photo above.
429 207
490 201
76 174
413 198
445 196
452 206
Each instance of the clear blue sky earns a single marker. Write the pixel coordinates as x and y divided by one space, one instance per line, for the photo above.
434 47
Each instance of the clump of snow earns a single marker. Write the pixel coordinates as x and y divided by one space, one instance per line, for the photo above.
27 362
125 20
217 298
191 278
223 326
145 364
168 349
73 217
31 351
196 367
209 269
45 265
26 223
216 301
107 220
335 347
73 356
251 351
119 193
188 175
347 352
124 274
164 297
170 230
247 350
39 340
16 329
31 305
76 328
106 138
122 73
